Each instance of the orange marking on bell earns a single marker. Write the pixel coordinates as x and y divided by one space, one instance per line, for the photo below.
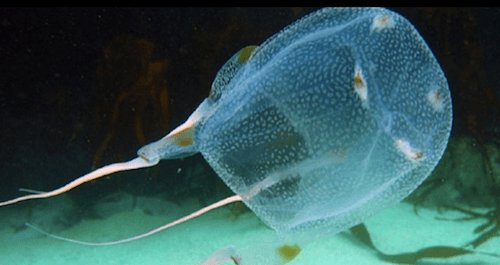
411 153
183 137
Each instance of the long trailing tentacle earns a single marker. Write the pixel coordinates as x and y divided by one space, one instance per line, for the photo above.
135 163
206 209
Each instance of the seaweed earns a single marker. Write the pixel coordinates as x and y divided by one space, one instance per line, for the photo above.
132 95
425 189
361 233
485 231
430 252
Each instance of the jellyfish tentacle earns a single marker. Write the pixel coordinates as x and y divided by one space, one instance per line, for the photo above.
135 163
223 202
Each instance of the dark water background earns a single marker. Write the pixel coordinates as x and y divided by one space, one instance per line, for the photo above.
86 87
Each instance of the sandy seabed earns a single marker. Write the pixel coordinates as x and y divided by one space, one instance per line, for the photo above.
395 230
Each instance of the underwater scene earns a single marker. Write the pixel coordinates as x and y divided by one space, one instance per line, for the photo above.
249 136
